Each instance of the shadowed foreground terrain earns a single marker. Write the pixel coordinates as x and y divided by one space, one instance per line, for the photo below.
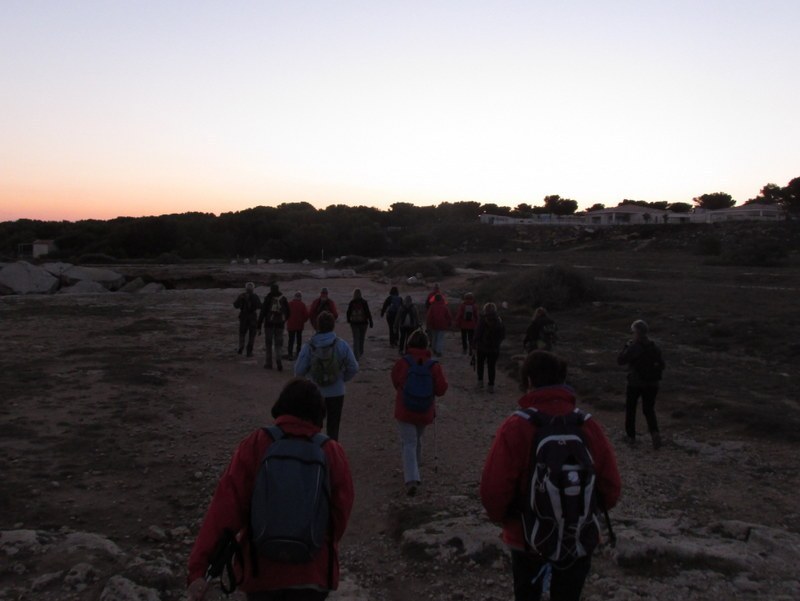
119 413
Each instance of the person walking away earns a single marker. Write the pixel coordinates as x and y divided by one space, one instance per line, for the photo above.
506 478
329 362
466 320
541 332
274 313
298 316
322 303
391 305
645 366
438 320
298 412
407 321
414 410
359 316
489 334
432 296
248 304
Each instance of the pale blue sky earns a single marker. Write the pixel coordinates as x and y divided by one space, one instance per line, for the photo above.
129 108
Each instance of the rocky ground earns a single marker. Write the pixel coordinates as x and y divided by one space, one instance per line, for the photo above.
119 411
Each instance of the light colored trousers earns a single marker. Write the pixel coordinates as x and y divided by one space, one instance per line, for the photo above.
411 441
437 341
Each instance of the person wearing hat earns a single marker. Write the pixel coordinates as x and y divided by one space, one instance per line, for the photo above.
248 304
320 304
645 365
274 313
298 316
299 412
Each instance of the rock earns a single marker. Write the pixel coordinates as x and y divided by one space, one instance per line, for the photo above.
80 576
108 278
119 588
84 287
23 278
134 285
156 534
152 287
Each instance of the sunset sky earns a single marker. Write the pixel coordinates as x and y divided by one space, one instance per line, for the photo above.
122 107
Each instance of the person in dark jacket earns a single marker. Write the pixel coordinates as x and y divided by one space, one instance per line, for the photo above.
407 321
391 305
489 334
412 423
508 468
541 332
274 313
645 364
299 411
248 304
466 320
359 317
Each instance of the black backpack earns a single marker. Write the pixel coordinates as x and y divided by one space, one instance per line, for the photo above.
290 507
559 514
649 365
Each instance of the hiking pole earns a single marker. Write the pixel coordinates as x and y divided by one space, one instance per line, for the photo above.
435 450
612 538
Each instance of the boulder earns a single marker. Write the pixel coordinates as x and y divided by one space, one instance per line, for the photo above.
108 278
84 287
152 287
23 278
134 285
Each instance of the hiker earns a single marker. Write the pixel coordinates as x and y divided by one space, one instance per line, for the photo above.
645 364
329 362
298 316
274 313
407 321
505 482
358 316
541 332
466 320
413 413
438 320
248 304
298 412
432 296
391 305
489 334
322 303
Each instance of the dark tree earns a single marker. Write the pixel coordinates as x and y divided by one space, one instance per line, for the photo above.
680 207
714 201
598 206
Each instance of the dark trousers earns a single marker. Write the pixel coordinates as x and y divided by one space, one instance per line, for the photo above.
291 594
401 343
359 335
247 328
295 338
648 394
333 410
566 583
490 359
273 341
393 335
466 339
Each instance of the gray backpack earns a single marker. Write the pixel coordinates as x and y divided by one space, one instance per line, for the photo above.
290 507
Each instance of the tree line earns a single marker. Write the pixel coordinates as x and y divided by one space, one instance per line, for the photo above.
296 231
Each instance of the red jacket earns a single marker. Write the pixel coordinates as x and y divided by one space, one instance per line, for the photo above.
320 304
230 508
298 315
399 375
463 323
507 471
438 316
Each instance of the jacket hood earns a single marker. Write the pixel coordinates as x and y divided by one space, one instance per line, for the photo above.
323 338
296 426
549 396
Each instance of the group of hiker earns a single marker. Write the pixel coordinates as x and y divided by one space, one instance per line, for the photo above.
550 471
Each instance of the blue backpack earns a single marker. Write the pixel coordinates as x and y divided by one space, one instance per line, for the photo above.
290 507
418 389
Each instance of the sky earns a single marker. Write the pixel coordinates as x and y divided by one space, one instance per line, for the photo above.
127 108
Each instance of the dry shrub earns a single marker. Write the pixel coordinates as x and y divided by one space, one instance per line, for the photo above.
555 287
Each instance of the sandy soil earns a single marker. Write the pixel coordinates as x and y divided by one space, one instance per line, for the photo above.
119 412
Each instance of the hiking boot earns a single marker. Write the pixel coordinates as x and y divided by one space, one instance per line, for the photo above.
249 353
656 440
411 488
479 385
490 388
239 352
280 366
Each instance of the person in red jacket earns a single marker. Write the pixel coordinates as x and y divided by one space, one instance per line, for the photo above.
299 411
322 303
298 316
438 320
412 423
466 320
507 472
